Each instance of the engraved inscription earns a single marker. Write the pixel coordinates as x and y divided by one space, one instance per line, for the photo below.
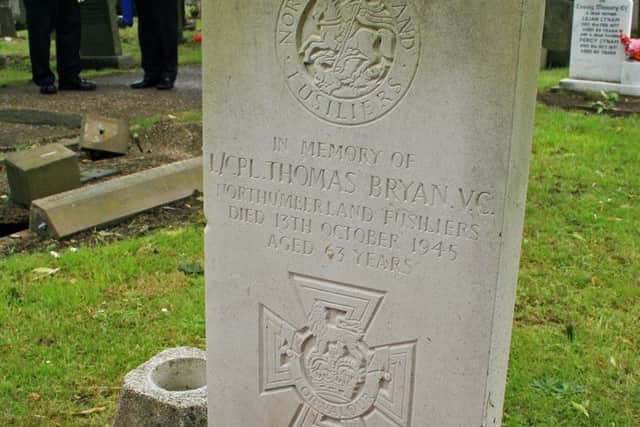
348 62
332 201
337 375
599 28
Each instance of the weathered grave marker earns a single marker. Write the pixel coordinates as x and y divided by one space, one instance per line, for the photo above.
366 167
100 39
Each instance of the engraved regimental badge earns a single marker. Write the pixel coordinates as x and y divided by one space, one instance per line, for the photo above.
349 62
341 380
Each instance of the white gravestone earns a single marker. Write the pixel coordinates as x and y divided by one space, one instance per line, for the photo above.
598 61
596 51
366 166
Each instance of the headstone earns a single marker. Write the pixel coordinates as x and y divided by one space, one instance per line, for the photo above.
366 168
105 135
556 37
3 61
100 38
597 55
181 21
596 51
194 10
40 172
544 56
19 14
7 23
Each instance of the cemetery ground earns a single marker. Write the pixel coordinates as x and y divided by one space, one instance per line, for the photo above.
77 315
168 124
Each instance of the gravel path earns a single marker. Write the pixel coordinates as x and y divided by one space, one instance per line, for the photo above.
113 97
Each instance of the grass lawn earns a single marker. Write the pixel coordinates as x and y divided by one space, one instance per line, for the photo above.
68 338
18 70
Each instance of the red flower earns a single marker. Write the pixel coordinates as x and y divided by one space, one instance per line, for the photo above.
631 46
197 38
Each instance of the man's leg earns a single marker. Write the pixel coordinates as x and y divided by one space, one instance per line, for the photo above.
166 18
149 43
40 15
68 33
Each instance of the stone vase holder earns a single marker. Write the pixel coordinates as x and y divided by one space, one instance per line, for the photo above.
167 391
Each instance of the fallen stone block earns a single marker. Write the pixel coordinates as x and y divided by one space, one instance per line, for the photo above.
112 201
41 172
39 117
105 135
170 390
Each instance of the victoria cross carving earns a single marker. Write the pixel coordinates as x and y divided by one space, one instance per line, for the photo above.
341 380
348 61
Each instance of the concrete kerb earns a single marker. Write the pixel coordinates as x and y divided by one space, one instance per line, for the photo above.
98 205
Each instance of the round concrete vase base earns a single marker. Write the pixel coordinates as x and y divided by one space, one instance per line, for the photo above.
167 391
631 73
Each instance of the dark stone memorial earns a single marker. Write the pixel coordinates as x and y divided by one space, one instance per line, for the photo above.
181 21
100 39
19 14
557 32
7 24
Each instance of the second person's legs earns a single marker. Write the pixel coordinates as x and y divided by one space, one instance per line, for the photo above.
166 24
68 34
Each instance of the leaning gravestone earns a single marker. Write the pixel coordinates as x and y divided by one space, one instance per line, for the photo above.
597 55
7 23
100 39
366 170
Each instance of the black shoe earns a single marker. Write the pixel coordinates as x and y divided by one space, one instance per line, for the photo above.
79 84
145 83
165 83
48 89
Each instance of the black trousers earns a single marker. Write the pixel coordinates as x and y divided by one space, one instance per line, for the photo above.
158 34
43 17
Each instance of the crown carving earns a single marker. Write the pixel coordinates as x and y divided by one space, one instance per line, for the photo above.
336 375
